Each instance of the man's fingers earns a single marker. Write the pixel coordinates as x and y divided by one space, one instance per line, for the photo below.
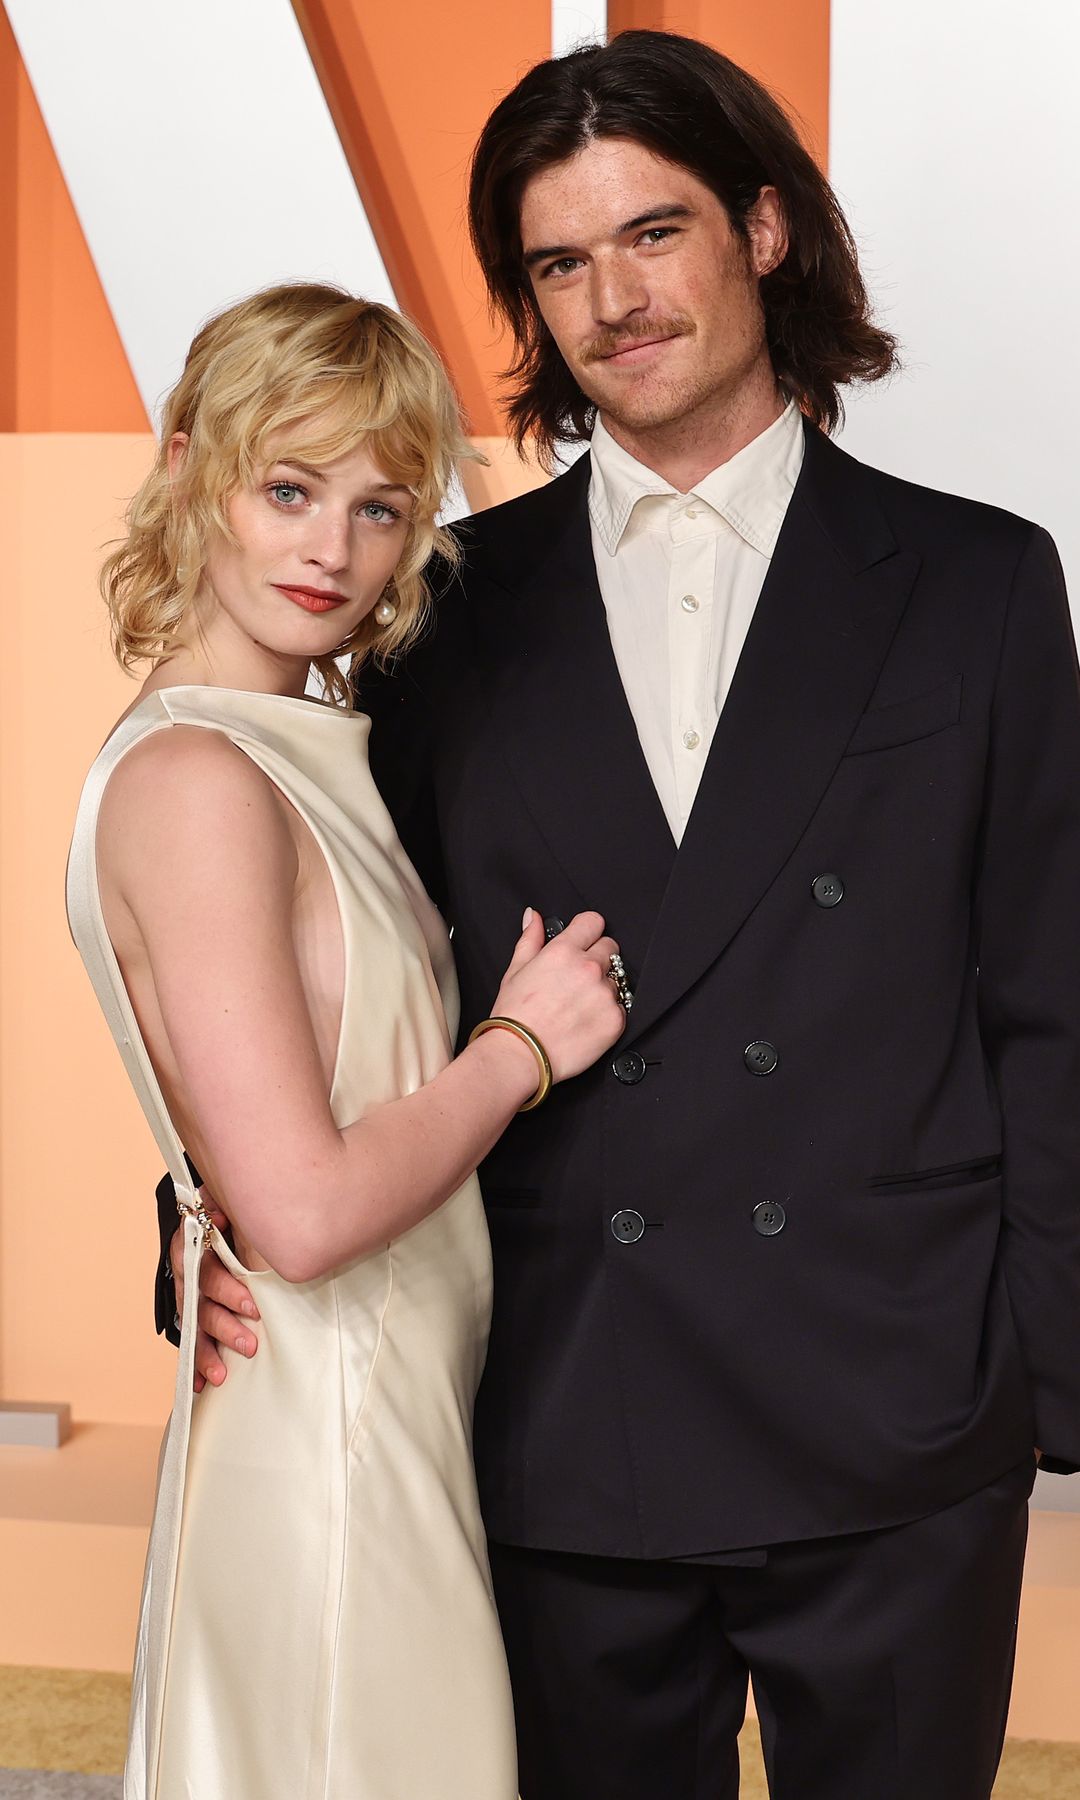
208 1361
217 1284
225 1328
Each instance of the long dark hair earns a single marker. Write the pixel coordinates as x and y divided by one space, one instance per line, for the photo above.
692 106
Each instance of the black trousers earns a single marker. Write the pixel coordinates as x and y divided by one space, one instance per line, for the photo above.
881 1662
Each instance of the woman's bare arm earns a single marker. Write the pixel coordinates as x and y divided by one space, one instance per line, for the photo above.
196 843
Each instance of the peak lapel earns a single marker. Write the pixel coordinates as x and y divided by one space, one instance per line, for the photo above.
832 601
564 724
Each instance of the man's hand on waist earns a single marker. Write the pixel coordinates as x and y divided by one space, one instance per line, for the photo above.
224 1305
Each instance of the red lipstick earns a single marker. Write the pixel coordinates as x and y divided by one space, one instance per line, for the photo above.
314 600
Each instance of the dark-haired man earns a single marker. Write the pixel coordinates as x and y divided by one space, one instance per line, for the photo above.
786 1291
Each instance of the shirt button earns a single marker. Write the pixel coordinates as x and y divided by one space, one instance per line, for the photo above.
769 1217
761 1057
691 739
690 603
628 1226
693 512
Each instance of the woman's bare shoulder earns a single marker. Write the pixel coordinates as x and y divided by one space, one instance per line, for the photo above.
188 789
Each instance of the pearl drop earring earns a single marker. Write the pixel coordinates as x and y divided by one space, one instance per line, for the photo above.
385 612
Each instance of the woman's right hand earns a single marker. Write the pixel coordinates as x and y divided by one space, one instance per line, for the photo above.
561 991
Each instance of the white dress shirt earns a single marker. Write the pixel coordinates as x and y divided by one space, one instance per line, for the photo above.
680 576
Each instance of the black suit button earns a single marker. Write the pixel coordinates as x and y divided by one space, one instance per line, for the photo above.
629 1068
828 890
769 1217
761 1058
552 927
628 1226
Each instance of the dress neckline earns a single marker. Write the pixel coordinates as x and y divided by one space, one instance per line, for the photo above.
310 706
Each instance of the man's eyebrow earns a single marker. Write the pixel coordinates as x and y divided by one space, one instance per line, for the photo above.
655 216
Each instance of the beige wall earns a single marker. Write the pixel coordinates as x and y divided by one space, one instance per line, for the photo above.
78 1235
77 1163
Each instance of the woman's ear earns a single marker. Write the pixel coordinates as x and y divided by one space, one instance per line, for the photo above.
176 452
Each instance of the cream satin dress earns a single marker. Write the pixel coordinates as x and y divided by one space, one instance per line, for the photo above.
317 1620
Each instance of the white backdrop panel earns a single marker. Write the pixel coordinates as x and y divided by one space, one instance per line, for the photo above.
955 148
575 22
201 158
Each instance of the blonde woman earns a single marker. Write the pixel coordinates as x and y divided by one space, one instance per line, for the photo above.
317 1617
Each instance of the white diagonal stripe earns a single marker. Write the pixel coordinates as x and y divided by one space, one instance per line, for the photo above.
201 158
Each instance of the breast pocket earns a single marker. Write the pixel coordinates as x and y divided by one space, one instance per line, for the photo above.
885 727
969 1173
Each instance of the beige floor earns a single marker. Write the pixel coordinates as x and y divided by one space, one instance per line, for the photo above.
62 1719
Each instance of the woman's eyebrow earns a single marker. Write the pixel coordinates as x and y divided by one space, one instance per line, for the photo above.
376 487
292 462
392 487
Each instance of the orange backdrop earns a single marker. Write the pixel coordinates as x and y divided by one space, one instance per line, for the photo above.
77 1166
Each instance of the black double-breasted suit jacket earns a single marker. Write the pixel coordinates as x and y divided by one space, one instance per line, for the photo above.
802 1255
669 1372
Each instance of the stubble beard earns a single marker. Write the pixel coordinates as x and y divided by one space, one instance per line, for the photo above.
654 407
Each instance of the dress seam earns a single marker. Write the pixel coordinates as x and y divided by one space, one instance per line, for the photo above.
331 1696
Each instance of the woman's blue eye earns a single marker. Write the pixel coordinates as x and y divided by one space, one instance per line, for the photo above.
285 491
383 512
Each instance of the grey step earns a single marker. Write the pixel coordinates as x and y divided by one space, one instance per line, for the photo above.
43 1423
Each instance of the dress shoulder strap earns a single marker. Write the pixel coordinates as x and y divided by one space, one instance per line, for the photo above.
87 922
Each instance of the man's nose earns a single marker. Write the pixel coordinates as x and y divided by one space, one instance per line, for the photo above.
617 292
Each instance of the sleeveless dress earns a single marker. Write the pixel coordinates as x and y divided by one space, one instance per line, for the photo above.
317 1620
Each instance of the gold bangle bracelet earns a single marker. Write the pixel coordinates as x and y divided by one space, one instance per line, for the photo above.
537 1048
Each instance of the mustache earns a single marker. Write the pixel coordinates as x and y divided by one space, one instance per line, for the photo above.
606 343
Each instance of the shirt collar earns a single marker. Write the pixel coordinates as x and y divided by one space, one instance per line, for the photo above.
751 491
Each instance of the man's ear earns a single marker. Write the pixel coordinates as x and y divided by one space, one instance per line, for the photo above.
768 233
176 452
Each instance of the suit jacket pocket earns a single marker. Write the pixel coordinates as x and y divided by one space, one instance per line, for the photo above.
908 720
948 1175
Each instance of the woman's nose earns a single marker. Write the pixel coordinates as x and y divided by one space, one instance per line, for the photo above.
328 541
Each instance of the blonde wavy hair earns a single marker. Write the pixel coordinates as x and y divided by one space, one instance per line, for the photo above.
318 372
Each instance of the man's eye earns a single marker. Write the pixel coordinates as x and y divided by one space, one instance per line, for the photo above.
565 266
657 233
